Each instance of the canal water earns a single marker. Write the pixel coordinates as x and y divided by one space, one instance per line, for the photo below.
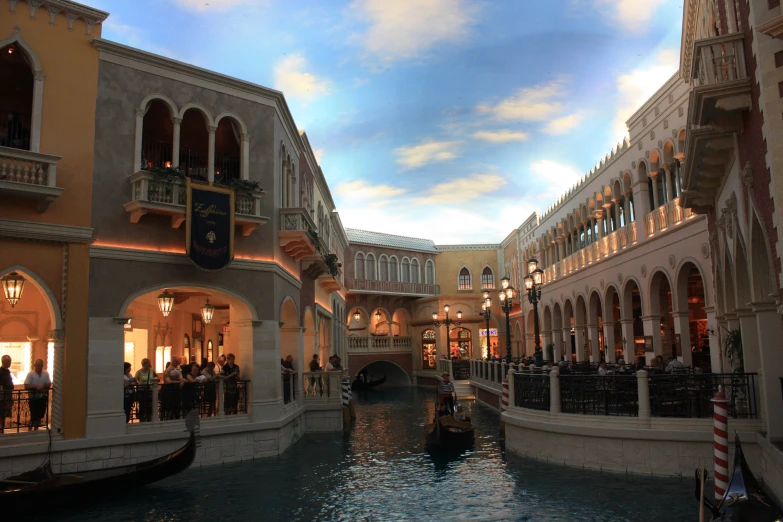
383 472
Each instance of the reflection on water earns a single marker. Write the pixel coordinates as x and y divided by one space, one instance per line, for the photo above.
383 471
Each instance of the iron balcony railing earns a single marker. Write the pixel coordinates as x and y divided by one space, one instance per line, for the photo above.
24 410
532 391
599 395
691 395
162 402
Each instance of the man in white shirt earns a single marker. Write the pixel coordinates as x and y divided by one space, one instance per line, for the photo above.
38 383
674 366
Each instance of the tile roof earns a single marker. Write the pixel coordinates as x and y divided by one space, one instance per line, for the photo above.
389 240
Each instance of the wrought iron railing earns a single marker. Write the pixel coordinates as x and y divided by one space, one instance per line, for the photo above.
155 154
531 391
24 410
690 395
461 370
598 395
226 168
15 130
175 400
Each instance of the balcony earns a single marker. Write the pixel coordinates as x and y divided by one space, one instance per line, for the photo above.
155 195
364 286
29 175
297 233
380 344
665 217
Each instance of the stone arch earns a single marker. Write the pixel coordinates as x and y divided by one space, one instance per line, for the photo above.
384 361
286 310
359 268
246 312
680 288
401 321
50 300
358 327
145 103
38 85
761 276
384 323
233 116
208 119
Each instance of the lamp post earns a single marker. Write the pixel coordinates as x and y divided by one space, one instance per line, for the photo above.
447 321
533 281
486 306
506 302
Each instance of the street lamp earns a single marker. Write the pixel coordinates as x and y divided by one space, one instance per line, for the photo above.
486 306
357 316
533 282
506 303
448 321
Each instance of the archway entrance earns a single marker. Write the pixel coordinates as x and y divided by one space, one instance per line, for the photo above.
493 338
429 351
691 319
460 344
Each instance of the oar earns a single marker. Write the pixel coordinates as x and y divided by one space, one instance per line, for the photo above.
701 499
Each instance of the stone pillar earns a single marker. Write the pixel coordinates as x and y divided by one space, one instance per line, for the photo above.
557 336
627 207
715 351
211 158
643 384
561 247
617 224
258 347
175 143
682 328
652 327
629 348
770 332
641 208
57 368
511 395
579 333
35 128
138 139
669 187
547 341
609 342
592 334
554 390
600 217
567 344
244 152
654 177
105 350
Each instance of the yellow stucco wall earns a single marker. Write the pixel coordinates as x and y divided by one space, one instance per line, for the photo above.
449 263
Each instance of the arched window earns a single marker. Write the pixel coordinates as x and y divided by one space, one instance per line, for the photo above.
228 145
487 279
406 270
358 266
19 118
430 272
370 264
157 136
394 271
415 272
383 265
464 279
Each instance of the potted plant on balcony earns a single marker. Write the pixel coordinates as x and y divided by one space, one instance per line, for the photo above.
333 264
244 186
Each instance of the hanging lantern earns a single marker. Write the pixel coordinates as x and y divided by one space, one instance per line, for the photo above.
166 303
207 311
357 316
13 284
378 316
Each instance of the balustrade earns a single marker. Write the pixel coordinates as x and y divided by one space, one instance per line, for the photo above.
380 344
369 286
666 216
29 175
163 402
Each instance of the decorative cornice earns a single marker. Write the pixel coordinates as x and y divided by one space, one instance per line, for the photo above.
31 230
147 256
72 11
462 248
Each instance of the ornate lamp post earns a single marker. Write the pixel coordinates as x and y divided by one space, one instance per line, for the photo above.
486 306
506 302
533 282
448 321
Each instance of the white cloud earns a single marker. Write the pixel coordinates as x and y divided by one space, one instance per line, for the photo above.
563 125
319 154
538 103
292 78
631 15
402 29
462 189
360 190
213 5
636 87
555 177
501 136
427 152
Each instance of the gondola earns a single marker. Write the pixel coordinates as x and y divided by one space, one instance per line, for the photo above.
449 432
43 487
359 385
744 500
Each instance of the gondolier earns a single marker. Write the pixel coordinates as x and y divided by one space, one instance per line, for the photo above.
446 393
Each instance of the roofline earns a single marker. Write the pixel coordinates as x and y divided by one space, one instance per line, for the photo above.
315 168
652 100
393 247
453 248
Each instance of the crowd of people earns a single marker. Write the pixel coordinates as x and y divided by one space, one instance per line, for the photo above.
37 384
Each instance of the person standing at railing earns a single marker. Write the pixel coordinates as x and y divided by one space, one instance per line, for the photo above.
6 390
190 390
38 383
231 376
145 379
207 380
314 366
130 391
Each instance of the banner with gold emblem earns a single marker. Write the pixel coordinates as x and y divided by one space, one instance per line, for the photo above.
209 229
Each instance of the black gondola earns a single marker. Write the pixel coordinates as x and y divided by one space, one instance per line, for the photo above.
359 385
448 432
43 487
744 500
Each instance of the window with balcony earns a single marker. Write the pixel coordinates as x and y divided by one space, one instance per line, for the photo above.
383 268
370 264
406 270
16 98
157 136
358 266
464 279
394 272
487 279
430 272
194 144
415 271
227 150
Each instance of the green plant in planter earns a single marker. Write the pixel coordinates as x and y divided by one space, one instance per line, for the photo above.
732 347
245 186
167 173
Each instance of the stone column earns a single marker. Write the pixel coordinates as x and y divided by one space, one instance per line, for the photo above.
629 348
561 246
770 332
547 341
609 342
669 187
579 333
682 328
592 334
652 327
57 368
175 143
627 207
617 224
258 347
211 155
35 128
244 152
654 177
599 214
554 390
567 344
558 340
641 208
105 349
138 139
715 352
643 384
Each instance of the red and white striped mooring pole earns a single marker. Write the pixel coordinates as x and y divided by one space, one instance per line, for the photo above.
720 445
504 400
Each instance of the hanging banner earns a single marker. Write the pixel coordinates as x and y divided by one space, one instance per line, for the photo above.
209 226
